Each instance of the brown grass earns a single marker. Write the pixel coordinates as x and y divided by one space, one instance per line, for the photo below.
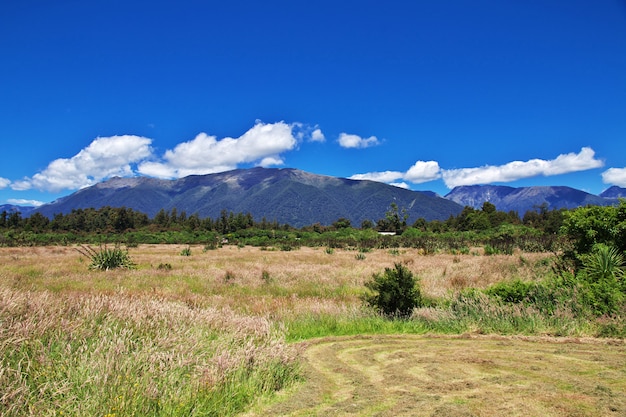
216 310
299 280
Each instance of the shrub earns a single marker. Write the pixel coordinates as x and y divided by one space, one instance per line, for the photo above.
491 250
229 276
394 292
603 278
107 258
186 251
511 292
266 277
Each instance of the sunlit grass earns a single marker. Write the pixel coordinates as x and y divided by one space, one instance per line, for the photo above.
210 333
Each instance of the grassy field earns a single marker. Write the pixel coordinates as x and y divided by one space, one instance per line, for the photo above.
218 331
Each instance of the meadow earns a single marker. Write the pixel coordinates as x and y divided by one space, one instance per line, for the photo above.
199 332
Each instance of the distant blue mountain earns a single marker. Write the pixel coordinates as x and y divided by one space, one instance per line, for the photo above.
523 199
25 211
614 192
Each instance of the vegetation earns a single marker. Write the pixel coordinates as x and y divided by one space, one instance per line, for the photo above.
394 292
537 231
211 333
113 355
106 258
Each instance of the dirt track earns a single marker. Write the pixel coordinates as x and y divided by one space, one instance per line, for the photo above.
450 376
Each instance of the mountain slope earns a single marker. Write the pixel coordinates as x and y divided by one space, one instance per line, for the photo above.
11 208
614 192
524 199
286 195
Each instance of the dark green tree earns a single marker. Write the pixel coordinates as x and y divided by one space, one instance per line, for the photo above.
394 292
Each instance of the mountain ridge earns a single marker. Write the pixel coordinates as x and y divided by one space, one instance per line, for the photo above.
523 199
300 198
286 195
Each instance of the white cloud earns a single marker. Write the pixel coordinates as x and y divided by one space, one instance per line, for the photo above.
615 176
4 183
317 136
421 171
516 170
22 202
271 161
206 154
103 158
400 185
354 141
385 176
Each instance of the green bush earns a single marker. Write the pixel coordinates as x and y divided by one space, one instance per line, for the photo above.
513 291
603 279
395 292
107 258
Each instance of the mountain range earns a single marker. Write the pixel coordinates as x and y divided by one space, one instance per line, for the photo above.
523 199
286 195
299 198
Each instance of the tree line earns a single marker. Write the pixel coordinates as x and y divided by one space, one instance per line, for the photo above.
122 219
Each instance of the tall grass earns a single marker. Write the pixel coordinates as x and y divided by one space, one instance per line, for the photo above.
114 355
185 340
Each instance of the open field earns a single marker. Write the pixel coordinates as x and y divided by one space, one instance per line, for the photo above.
255 281
448 376
208 333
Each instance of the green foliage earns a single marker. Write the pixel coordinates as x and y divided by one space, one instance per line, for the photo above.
587 226
186 251
603 279
394 292
266 277
511 292
490 250
360 256
394 221
107 258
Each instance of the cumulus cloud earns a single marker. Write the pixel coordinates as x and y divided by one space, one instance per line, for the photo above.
206 154
129 155
22 202
103 158
317 136
421 171
615 176
516 170
385 176
400 185
347 140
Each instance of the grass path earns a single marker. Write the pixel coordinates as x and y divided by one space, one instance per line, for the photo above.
405 375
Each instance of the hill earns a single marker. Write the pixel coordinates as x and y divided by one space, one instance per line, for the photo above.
614 192
287 195
25 211
523 199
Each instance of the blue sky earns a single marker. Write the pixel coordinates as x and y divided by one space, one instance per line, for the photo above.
422 94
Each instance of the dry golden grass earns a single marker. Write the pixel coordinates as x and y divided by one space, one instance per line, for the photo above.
255 281
134 339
